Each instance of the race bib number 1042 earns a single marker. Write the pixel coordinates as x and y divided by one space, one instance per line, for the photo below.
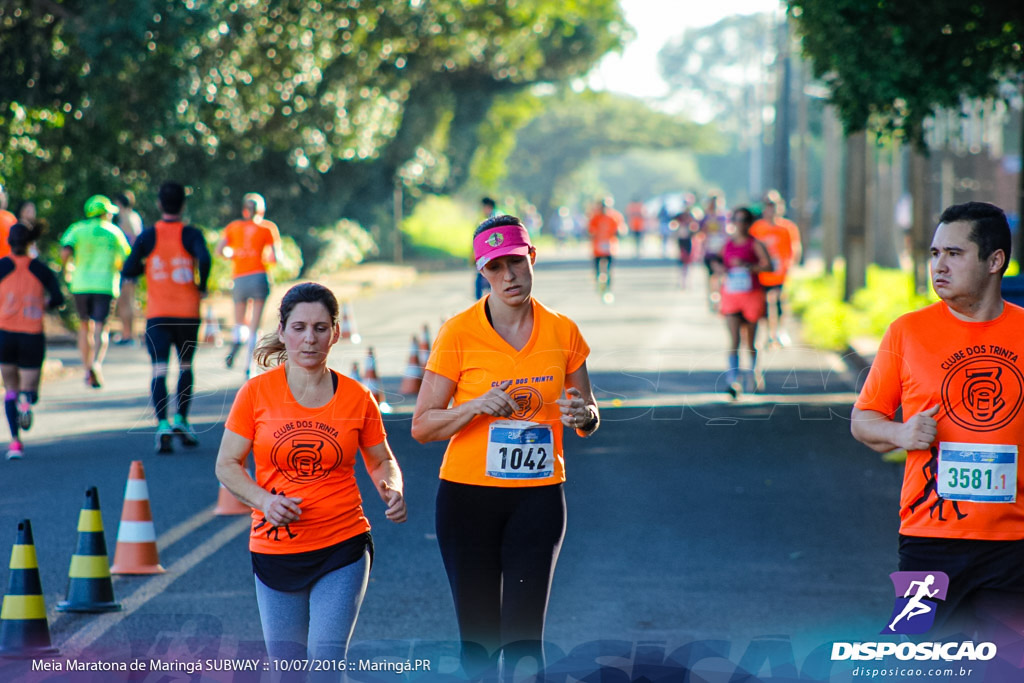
517 449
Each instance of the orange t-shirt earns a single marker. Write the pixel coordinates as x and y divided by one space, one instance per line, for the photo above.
779 242
470 352
973 371
635 210
249 241
7 219
604 232
307 453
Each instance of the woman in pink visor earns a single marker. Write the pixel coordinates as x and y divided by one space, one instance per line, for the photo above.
517 372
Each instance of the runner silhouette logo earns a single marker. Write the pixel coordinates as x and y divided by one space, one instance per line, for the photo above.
917 594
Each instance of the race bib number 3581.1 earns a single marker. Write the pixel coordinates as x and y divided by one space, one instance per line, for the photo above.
517 449
980 473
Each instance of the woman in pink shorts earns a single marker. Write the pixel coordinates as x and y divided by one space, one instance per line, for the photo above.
743 300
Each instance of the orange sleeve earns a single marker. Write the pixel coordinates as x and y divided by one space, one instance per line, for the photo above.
578 349
372 432
242 420
882 391
445 356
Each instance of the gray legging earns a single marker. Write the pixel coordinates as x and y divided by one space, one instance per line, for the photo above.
317 622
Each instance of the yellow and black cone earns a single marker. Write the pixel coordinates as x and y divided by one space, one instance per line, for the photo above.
89 585
24 632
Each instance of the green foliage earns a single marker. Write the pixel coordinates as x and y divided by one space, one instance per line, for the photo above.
330 248
889 65
441 226
830 323
319 106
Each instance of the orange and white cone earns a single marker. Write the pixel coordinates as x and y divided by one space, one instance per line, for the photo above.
348 324
372 381
424 352
413 377
227 504
136 551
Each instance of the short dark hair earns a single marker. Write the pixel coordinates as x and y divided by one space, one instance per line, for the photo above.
497 222
487 201
989 228
171 197
19 237
742 210
126 198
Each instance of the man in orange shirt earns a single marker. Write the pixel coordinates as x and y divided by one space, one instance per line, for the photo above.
956 368
251 243
606 224
174 258
782 238
7 219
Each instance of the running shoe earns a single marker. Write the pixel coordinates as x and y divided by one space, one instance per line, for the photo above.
183 430
229 360
734 389
608 298
164 437
15 451
24 412
94 378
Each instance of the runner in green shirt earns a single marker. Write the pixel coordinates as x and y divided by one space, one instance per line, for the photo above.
96 247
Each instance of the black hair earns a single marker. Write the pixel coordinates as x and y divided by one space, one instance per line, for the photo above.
172 197
19 237
487 201
743 210
497 222
270 350
989 228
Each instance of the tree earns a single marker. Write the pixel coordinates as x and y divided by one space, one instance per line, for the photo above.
321 106
576 128
889 65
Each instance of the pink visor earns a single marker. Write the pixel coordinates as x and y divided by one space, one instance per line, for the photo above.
502 241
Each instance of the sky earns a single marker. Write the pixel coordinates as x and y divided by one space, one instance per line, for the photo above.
635 71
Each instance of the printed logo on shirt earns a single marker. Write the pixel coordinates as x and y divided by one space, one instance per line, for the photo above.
916 596
983 389
306 454
529 401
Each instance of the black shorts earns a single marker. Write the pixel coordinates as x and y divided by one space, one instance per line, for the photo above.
22 349
977 570
93 306
162 333
710 260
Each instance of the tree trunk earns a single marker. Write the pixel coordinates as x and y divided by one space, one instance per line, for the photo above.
856 213
830 192
920 227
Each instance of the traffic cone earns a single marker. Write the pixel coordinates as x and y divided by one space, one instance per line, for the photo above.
348 324
413 377
424 347
211 328
89 586
372 381
24 632
136 551
227 504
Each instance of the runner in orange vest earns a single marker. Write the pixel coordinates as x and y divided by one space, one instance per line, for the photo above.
605 226
637 222
176 262
7 219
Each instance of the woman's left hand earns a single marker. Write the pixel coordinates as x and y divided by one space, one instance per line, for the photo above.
575 413
395 501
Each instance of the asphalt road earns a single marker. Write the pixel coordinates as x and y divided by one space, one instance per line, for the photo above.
729 537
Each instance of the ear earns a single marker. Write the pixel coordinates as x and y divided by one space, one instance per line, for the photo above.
533 256
280 333
336 335
996 261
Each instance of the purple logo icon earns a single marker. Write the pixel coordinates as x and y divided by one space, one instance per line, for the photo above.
917 594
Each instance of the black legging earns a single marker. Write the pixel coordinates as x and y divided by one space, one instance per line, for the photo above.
499 547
